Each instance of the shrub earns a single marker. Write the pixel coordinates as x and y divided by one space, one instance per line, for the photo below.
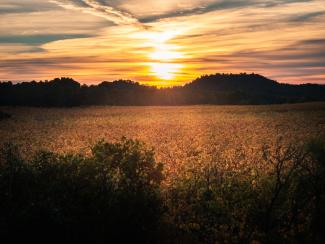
111 195
114 195
4 115
283 204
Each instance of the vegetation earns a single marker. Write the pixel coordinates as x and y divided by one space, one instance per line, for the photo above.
115 195
227 174
181 136
4 115
112 194
212 89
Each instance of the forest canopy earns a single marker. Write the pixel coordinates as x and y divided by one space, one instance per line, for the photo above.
209 89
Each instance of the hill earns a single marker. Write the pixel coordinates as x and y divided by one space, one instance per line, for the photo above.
209 89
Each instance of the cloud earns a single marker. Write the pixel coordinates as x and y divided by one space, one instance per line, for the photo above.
313 42
78 67
39 39
26 6
97 8
306 52
307 16
282 39
218 5
299 60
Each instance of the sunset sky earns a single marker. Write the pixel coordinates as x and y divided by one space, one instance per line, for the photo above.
161 42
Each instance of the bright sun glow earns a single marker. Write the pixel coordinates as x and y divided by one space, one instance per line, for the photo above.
165 71
163 55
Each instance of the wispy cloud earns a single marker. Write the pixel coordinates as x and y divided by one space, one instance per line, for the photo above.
307 16
218 5
94 40
39 39
25 6
97 8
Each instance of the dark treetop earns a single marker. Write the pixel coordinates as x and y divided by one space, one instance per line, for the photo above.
209 89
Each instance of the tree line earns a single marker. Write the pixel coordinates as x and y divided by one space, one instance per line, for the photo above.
209 89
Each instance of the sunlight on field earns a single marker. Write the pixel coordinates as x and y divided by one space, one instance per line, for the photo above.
181 136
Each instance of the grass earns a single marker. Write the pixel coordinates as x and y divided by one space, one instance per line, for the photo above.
208 174
180 136
115 195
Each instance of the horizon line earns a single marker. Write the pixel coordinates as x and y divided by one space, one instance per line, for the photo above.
146 83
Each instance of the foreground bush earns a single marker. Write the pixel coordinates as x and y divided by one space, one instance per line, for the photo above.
112 195
285 203
4 115
115 196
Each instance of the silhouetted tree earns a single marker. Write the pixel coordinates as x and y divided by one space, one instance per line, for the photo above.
209 89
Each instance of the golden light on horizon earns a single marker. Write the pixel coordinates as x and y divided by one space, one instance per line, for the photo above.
165 71
165 46
164 55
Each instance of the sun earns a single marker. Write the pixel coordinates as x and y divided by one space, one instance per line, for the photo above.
165 71
164 52
164 56
164 66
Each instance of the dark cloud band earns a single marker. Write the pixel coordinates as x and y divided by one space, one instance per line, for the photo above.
39 39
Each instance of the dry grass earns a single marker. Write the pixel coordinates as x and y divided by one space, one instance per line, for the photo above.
230 136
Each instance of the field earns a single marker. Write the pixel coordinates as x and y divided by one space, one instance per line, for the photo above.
180 136
216 174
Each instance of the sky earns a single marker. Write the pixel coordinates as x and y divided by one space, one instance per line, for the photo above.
161 42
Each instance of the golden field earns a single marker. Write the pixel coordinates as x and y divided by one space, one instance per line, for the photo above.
182 137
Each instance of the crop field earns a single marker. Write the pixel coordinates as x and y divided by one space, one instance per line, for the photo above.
182 137
194 174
